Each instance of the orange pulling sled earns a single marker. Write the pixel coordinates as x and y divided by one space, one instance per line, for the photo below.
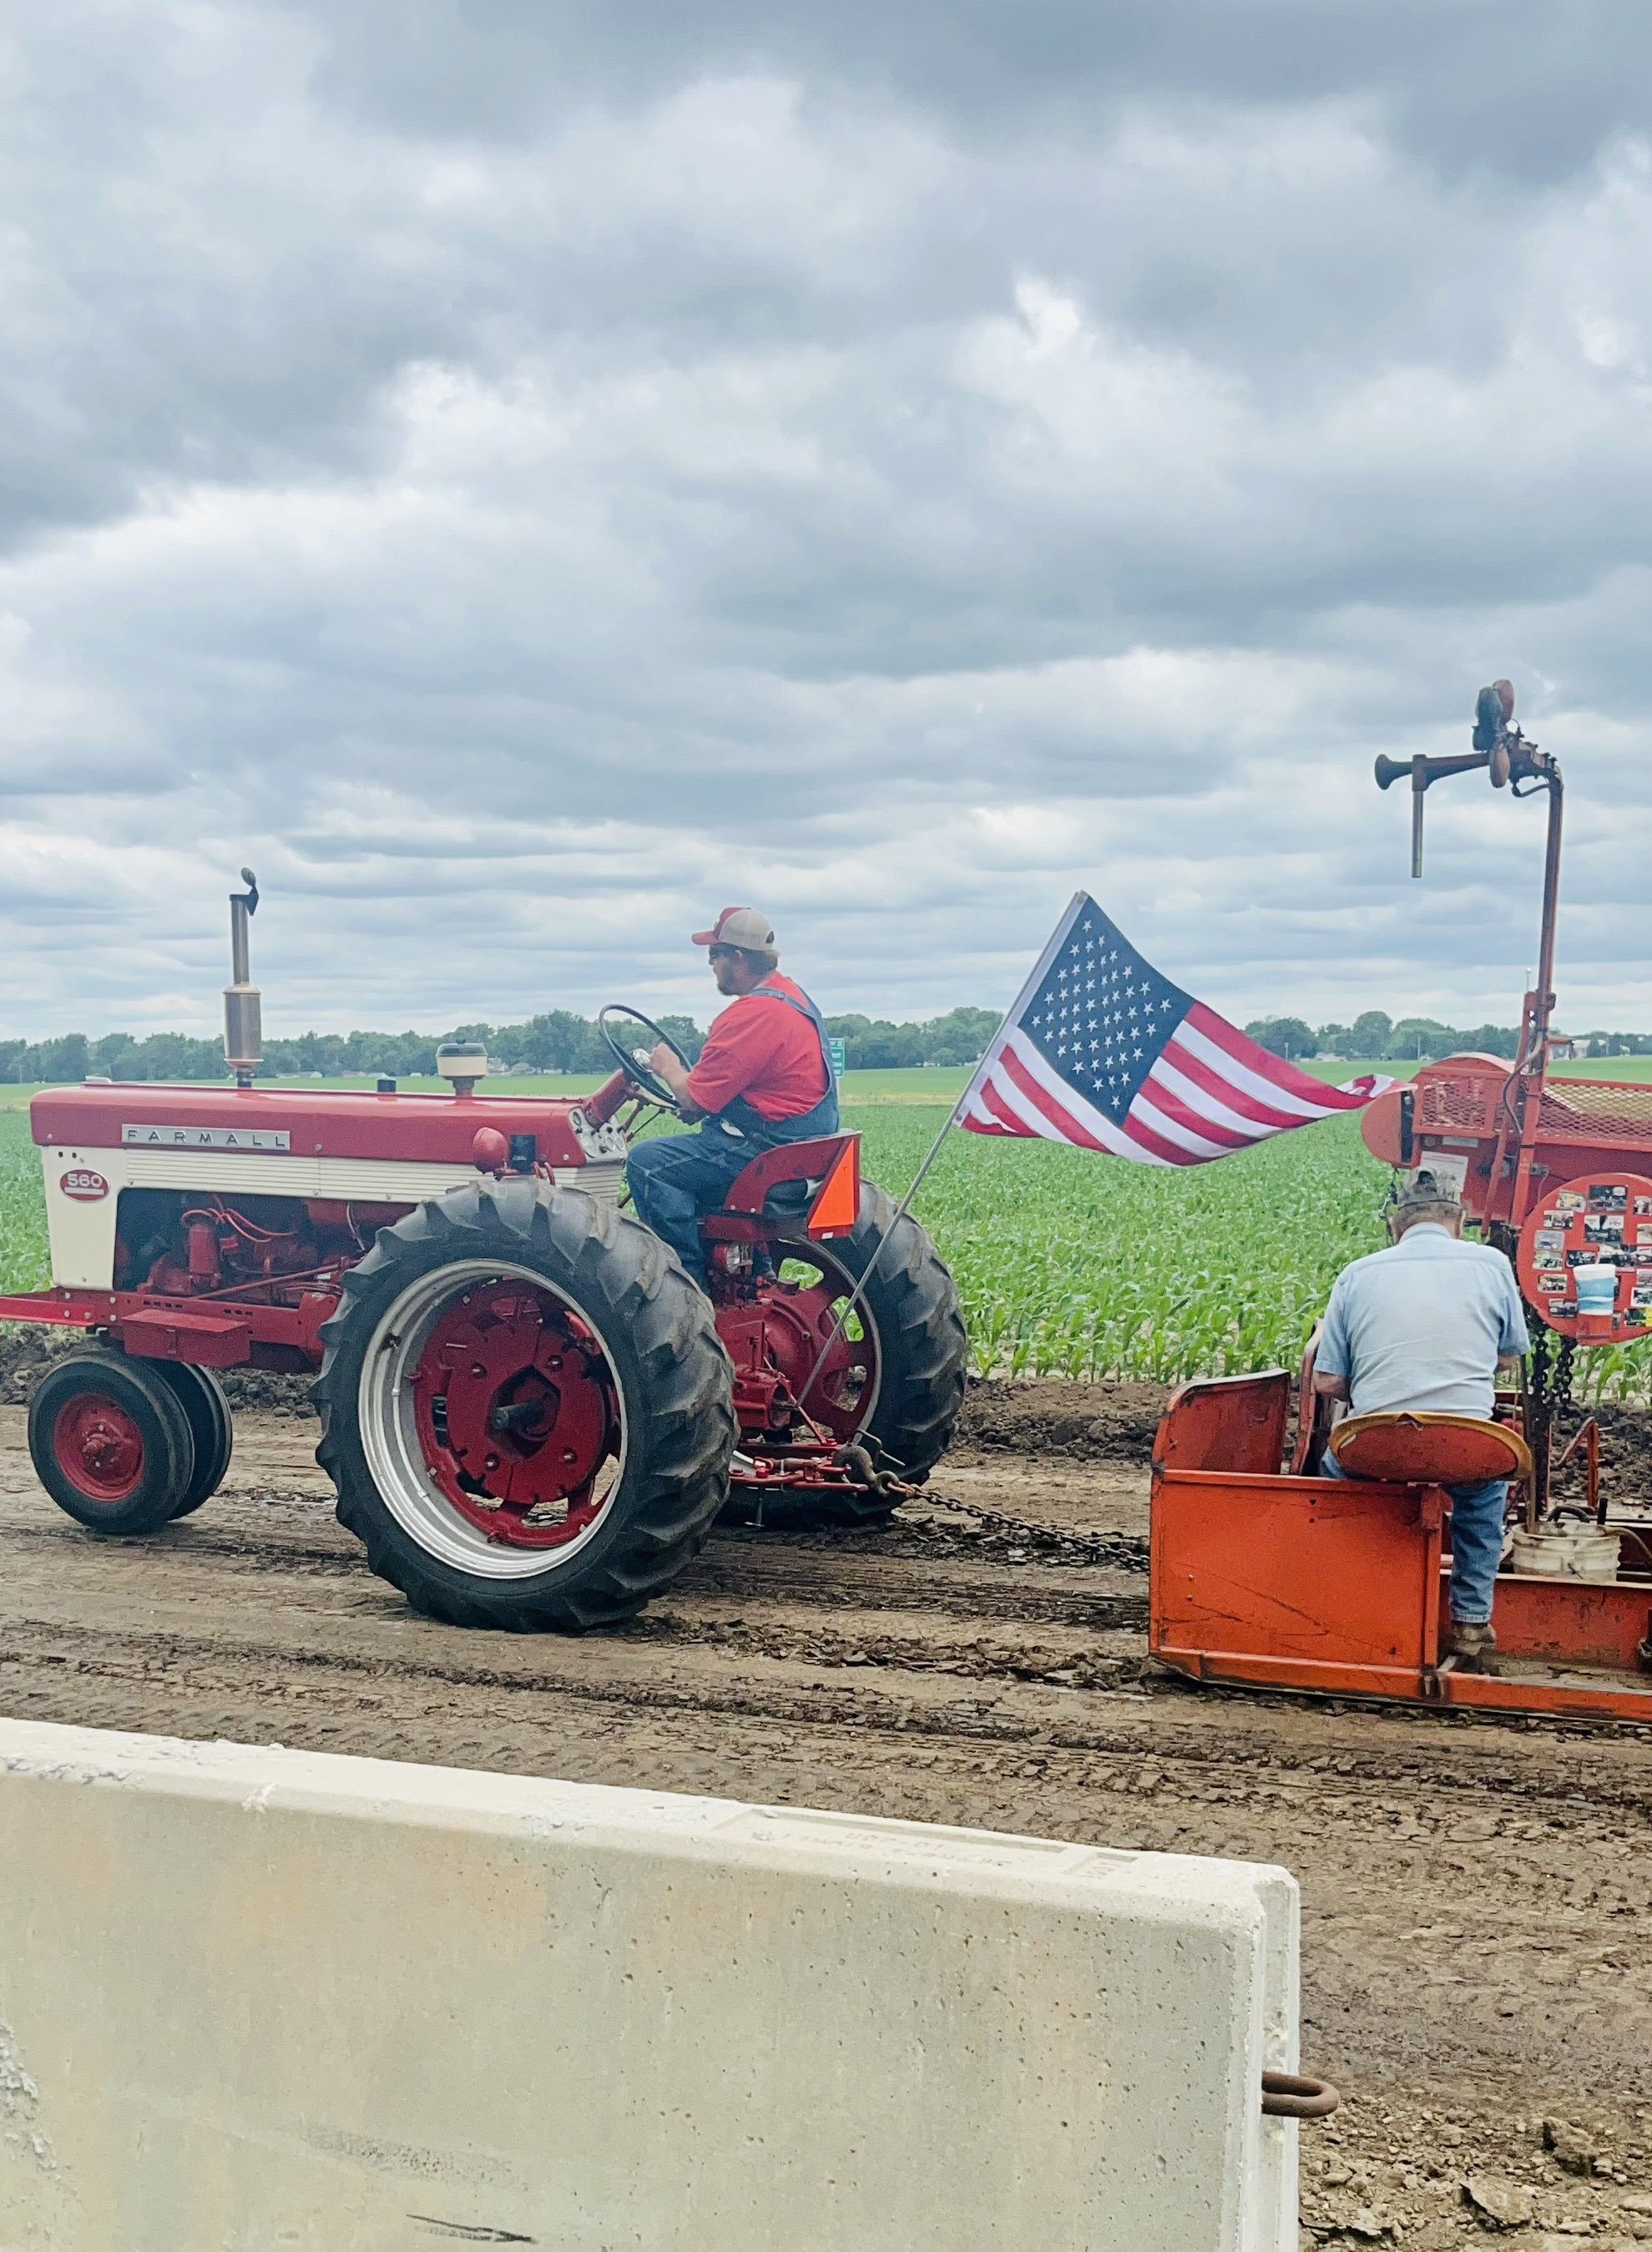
1264 1576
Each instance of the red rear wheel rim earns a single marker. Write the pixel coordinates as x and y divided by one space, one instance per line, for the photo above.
517 1415
798 1319
98 1448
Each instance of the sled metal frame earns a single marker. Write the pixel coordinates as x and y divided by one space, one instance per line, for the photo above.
1264 1579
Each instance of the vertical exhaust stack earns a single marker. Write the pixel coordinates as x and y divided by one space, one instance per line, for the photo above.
243 1028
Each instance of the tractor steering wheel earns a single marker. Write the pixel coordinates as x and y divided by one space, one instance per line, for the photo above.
634 1062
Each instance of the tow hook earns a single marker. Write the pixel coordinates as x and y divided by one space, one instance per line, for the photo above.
856 1457
1294 2095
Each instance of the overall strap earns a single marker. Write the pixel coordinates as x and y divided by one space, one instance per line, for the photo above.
822 1119
804 1008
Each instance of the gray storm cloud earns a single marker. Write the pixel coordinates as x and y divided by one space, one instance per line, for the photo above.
527 477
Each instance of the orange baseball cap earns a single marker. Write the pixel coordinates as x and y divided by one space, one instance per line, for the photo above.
743 927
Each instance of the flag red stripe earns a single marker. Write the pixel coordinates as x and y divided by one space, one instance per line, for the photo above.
1156 1144
975 1125
1176 1107
1284 1075
1009 1122
1236 1098
1066 1125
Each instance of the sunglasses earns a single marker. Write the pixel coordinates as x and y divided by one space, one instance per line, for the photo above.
712 952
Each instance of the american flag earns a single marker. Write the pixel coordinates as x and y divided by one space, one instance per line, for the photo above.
1103 1052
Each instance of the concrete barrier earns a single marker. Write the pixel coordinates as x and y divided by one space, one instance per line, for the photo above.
262 1999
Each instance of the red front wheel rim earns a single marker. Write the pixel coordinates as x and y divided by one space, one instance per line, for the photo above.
98 1447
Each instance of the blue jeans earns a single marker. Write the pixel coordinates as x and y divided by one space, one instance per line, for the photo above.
674 1178
1476 1543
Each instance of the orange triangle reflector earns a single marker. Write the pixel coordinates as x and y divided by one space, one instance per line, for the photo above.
837 1206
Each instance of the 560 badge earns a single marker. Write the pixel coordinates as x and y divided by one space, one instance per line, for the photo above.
83 1185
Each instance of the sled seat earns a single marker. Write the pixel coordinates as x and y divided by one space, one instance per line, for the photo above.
1407 1447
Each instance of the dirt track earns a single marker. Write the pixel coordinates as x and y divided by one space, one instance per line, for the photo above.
1476 1894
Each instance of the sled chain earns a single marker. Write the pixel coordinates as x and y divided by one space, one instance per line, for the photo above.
1123 1551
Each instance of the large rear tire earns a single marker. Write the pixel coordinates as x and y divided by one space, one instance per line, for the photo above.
110 1442
919 1358
526 1409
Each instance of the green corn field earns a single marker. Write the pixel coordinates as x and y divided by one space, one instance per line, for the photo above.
1071 1264
23 1261
1074 1265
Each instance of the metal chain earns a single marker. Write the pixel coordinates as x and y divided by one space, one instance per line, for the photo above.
1126 1550
1562 1389
1535 1408
1548 1393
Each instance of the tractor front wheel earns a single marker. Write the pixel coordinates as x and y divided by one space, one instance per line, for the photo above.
526 1409
202 1398
110 1442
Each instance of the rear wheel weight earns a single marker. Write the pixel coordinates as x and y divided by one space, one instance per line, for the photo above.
526 1409
110 1442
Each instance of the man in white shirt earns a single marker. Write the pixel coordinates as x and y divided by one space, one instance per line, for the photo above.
1423 1325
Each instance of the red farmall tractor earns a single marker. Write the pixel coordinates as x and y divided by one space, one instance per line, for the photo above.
1264 1573
532 1415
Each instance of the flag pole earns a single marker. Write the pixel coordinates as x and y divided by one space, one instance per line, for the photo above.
1039 970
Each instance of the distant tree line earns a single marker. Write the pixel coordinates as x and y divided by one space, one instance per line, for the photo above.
873 1044
1375 1037
559 1040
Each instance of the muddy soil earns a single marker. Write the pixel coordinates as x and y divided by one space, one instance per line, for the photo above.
1626 1452
1476 1894
1052 1416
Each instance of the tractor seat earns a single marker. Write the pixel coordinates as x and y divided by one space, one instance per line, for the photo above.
1407 1447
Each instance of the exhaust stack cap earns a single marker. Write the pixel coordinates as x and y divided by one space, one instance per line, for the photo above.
243 1026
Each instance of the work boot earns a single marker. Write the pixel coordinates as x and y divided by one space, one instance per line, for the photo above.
1472 1645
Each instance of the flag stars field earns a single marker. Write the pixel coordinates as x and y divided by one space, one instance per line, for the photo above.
1103 1052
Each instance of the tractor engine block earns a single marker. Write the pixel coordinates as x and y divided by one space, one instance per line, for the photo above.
173 1245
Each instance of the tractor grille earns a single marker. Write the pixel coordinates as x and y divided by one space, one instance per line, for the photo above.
1597 1110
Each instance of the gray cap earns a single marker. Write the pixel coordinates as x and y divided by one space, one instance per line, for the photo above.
743 927
1424 1191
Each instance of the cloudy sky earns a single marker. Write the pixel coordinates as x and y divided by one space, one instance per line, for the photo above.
525 475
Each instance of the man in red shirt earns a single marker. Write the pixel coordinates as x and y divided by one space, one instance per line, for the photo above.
764 1078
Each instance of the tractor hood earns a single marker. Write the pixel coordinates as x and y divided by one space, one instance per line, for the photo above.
310 1123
